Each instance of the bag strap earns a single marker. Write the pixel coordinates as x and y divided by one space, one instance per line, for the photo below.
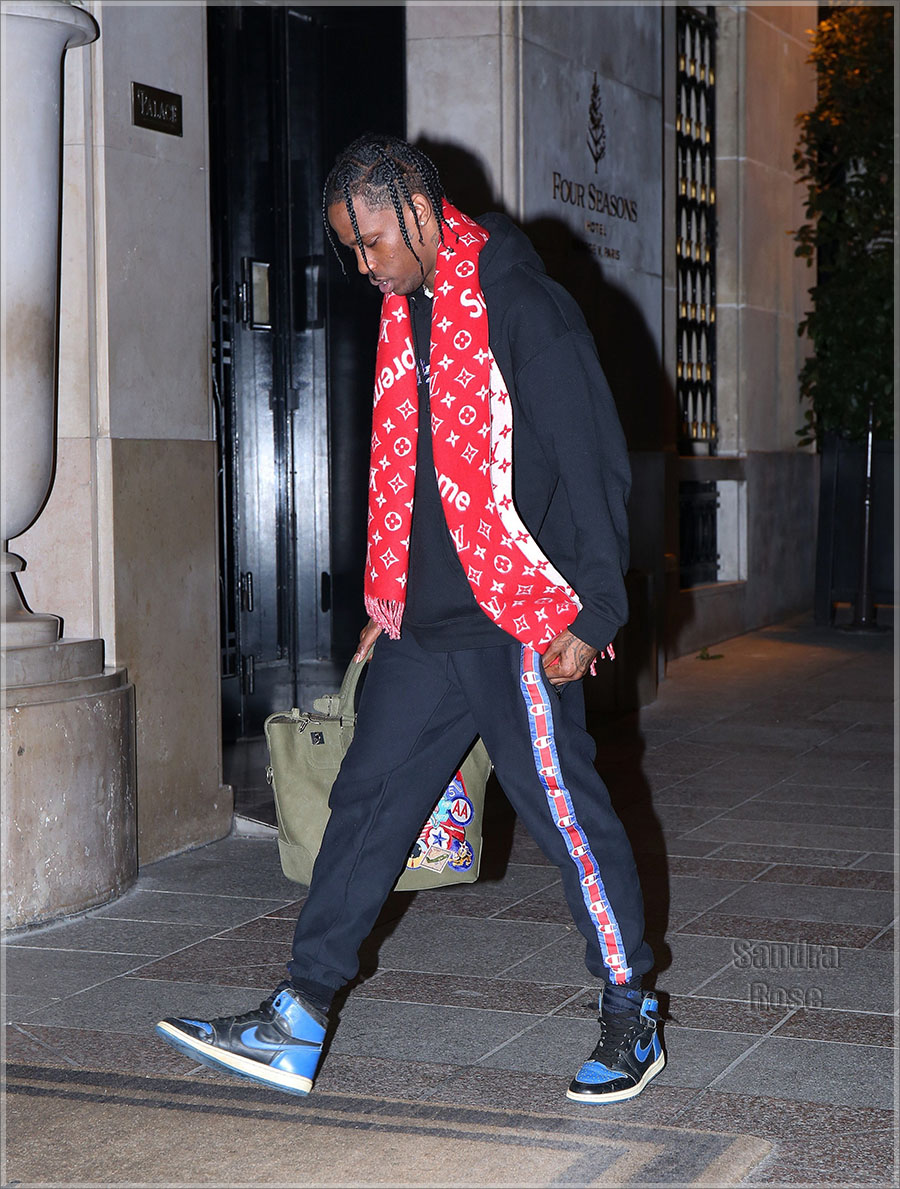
347 695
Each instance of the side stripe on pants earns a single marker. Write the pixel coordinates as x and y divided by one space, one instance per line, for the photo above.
546 762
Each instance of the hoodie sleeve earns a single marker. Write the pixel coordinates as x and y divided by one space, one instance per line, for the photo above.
567 398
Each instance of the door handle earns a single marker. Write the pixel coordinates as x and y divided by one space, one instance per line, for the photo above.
253 294
309 303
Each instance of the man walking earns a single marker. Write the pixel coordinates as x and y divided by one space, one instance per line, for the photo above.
497 543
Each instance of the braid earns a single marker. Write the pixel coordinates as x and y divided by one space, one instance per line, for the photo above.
351 211
383 170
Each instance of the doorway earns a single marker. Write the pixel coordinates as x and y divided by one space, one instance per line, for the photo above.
293 349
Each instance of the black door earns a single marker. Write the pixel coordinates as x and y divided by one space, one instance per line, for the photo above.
294 342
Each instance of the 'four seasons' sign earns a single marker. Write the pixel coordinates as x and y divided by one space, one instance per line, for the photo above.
593 198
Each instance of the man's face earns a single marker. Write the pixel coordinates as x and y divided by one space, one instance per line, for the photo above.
389 264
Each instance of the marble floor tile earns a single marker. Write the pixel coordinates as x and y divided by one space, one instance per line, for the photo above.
559 1045
55 973
693 960
93 1048
467 991
107 935
217 912
520 885
835 772
542 1092
851 1027
886 941
815 1071
875 862
548 905
767 974
692 893
708 793
561 961
432 1033
722 1015
414 1079
674 820
851 906
829 877
227 962
783 1118
714 868
20 1007
690 847
773 853
738 774
257 873
795 792
809 834
743 736
780 929
271 929
433 943
865 740
134 1005
763 809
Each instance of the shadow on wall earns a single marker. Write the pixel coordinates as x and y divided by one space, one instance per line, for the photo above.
645 400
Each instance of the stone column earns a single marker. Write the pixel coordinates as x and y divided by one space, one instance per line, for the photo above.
34 39
68 812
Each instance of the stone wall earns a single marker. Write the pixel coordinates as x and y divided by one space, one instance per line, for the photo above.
763 83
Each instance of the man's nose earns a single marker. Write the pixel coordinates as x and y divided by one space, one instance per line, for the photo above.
361 263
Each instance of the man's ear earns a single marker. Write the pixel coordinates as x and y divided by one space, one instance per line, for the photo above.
423 208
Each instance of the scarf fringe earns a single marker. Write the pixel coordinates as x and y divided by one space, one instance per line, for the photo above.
387 614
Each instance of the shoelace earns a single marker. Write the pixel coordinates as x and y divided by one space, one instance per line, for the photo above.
247 1017
617 1031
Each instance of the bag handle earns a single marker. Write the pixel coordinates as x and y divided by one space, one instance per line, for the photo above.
347 695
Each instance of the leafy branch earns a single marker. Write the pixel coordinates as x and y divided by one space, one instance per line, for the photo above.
846 158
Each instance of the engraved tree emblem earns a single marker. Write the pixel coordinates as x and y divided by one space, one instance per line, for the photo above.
596 137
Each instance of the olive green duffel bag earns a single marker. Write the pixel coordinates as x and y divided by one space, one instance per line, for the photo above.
305 753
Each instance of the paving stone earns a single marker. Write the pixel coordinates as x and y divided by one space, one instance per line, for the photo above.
828 877
815 1071
775 929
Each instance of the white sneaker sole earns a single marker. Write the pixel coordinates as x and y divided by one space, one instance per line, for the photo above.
621 1095
242 1067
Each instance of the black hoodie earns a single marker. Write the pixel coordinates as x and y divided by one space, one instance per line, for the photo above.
571 476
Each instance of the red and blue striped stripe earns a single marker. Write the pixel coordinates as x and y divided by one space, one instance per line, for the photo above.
546 760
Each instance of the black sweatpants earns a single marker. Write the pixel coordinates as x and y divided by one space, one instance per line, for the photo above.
419 712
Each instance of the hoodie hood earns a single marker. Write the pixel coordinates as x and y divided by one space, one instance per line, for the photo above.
507 248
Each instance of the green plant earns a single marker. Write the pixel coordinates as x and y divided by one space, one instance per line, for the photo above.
846 158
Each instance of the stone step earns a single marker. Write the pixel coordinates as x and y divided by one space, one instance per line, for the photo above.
40 664
63 691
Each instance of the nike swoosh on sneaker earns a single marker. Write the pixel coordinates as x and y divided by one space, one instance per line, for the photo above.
643 1053
251 1038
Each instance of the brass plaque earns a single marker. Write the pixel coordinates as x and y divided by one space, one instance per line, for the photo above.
155 109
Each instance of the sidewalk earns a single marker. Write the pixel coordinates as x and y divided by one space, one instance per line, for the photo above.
758 791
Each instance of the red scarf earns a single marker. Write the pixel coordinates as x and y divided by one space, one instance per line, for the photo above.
471 426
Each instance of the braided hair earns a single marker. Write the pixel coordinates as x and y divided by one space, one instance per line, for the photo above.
384 171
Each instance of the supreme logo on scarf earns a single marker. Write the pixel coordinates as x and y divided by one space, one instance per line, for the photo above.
472 434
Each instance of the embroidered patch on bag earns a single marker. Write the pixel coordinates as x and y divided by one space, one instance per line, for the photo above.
443 837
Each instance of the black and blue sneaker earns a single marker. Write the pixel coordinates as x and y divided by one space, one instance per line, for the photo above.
278 1045
627 1056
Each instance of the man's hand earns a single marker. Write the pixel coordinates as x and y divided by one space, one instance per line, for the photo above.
367 638
567 659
